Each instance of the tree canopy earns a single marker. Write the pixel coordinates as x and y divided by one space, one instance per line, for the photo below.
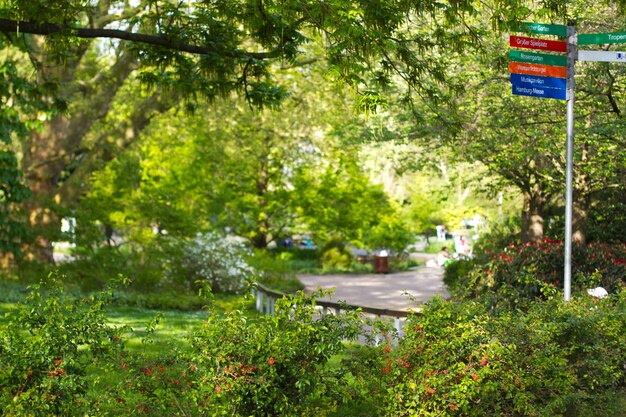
113 66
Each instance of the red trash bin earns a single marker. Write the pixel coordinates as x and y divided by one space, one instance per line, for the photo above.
381 264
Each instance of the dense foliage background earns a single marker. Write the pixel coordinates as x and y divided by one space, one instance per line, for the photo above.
192 147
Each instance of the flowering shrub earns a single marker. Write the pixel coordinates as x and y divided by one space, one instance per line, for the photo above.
273 365
536 270
555 359
50 341
448 363
218 261
551 359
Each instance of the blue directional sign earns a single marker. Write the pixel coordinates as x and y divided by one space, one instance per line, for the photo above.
540 92
524 80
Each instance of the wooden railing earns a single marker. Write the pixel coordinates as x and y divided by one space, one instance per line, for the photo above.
266 300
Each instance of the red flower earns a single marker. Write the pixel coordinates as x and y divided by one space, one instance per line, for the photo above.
387 368
475 377
453 406
483 362
271 361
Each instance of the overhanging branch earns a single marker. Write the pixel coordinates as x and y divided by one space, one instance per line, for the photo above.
8 26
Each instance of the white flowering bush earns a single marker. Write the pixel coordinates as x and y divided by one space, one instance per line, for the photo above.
218 261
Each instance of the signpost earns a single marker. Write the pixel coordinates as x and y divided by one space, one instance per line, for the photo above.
543 29
535 81
541 44
536 58
569 162
601 38
552 76
602 56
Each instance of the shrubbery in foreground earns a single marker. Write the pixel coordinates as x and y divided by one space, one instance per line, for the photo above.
551 359
555 359
49 342
272 365
56 348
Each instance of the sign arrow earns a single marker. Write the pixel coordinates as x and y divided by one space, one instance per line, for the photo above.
602 56
539 92
536 58
535 81
542 44
544 29
601 38
537 69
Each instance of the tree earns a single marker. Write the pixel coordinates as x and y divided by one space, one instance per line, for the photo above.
521 140
17 96
193 49
256 173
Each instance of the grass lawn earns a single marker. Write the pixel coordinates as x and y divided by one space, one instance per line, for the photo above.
170 335
173 325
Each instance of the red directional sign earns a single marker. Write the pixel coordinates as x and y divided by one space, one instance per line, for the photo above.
542 44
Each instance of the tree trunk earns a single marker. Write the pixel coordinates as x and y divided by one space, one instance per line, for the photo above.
532 216
260 237
581 200
580 215
44 221
49 153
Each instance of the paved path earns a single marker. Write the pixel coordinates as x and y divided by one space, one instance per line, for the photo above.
397 291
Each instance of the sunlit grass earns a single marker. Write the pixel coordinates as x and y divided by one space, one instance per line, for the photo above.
171 329
4 309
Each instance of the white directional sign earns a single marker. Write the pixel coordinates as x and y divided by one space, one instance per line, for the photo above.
602 56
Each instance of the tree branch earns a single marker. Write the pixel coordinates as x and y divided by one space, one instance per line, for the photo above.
7 25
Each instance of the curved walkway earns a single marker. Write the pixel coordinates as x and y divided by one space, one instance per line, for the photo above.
397 291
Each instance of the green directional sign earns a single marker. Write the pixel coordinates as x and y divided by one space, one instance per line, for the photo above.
543 28
544 59
601 38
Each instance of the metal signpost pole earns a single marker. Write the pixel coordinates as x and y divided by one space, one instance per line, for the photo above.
542 75
571 60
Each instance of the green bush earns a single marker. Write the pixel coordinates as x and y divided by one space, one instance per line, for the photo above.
527 271
274 271
556 359
499 235
456 272
391 234
46 348
59 357
273 365
92 269
336 256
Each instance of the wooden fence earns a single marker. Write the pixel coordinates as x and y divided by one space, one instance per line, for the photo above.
266 299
